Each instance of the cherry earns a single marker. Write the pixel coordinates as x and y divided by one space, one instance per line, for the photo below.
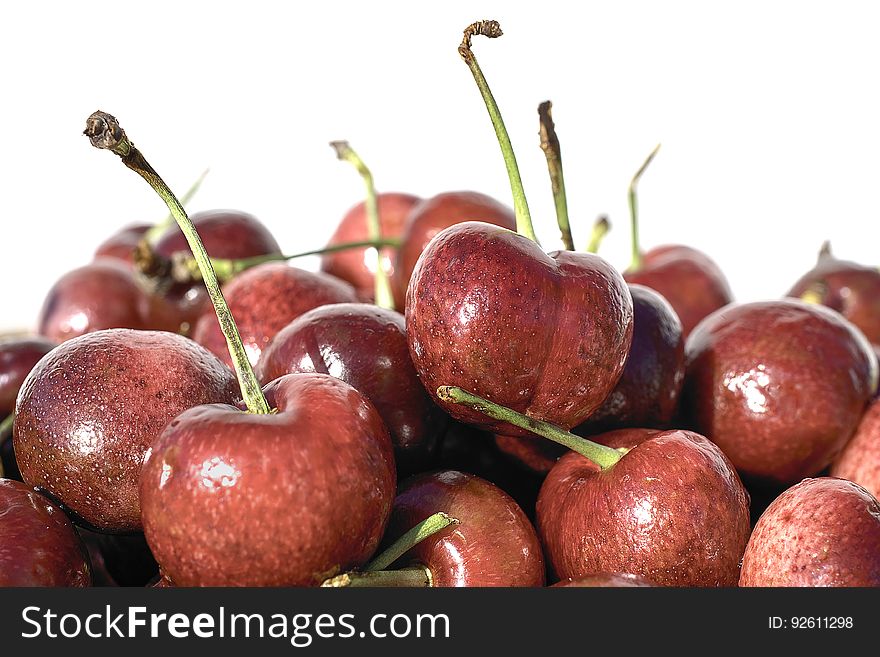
264 300
366 347
104 294
38 544
821 532
667 505
851 289
89 412
780 386
490 542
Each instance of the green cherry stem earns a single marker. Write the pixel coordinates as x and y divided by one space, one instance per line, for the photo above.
553 153
636 262
185 269
418 577
6 427
384 295
155 233
602 456
492 30
600 230
104 132
374 573
427 527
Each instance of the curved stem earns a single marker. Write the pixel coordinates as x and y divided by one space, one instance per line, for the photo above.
492 30
185 269
553 153
427 527
384 295
600 230
153 235
636 262
602 456
104 132
404 578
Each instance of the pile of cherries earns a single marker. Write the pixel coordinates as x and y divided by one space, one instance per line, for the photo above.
530 418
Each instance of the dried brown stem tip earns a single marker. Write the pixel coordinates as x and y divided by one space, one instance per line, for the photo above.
547 131
342 148
490 29
104 131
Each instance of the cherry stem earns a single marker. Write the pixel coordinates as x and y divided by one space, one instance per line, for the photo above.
636 262
600 230
104 132
492 30
185 269
384 295
602 456
6 427
417 577
825 250
427 527
553 153
154 234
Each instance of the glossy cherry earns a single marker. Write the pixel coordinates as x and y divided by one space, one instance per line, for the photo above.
104 294
821 532
366 347
18 355
356 266
544 334
264 300
433 215
90 411
860 459
851 289
283 499
687 278
38 544
672 509
779 386
494 543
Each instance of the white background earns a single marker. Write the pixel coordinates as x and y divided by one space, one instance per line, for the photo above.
767 111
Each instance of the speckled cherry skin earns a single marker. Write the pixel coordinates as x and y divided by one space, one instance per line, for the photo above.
38 544
18 355
687 278
366 347
820 532
672 510
90 410
851 289
122 244
604 580
544 334
780 386
433 215
286 499
265 299
354 265
102 295
860 459
494 544
647 394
